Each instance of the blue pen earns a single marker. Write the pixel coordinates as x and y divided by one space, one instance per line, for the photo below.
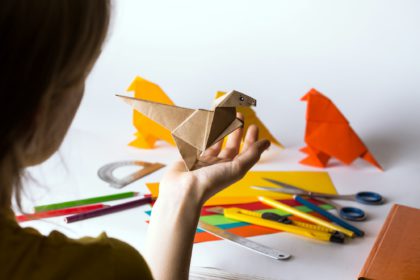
328 215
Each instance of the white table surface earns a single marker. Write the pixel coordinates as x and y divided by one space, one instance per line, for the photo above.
363 55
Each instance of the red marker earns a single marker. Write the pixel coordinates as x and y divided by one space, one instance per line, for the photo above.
60 212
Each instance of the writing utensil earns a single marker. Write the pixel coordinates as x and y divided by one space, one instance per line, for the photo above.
108 210
328 215
256 219
85 201
246 243
59 212
306 216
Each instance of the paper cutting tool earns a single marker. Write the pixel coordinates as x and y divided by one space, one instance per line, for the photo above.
307 230
370 198
294 211
346 212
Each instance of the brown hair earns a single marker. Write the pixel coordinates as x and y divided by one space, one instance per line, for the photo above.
46 46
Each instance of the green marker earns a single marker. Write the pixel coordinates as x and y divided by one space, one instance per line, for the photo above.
85 201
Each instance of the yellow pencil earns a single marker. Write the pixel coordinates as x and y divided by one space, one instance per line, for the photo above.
255 219
294 211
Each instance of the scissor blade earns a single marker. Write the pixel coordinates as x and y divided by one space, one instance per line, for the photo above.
278 190
284 185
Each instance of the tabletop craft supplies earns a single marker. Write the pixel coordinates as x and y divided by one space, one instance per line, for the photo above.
263 202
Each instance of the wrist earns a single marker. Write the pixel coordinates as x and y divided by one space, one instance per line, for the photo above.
184 191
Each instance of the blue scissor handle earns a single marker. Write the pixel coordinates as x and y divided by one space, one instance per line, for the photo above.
371 198
352 214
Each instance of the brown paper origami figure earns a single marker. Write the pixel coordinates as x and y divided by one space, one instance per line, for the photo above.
195 130
329 134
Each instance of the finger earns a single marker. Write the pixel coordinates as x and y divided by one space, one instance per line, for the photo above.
251 136
214 150
233 142
248 158
220 175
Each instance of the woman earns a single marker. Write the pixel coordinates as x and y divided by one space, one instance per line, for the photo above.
47 48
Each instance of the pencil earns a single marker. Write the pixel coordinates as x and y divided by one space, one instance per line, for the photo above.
86 201
294 211
328 215
108 210
59 212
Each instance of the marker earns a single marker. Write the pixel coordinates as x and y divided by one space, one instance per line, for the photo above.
294 211
108 210
85 201
59 212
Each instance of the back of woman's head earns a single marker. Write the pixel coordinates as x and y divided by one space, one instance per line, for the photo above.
46 47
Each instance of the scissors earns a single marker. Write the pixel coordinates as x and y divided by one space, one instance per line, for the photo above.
346 212
369 198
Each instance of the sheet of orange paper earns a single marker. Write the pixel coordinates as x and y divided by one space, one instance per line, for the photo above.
148 131
195 130
250 117
329 134
240 192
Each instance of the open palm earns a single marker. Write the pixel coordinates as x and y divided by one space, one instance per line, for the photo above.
217 168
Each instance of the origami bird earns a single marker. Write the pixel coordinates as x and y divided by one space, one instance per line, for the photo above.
329 134
195 130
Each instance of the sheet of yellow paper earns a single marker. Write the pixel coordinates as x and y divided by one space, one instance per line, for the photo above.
241 192
148 131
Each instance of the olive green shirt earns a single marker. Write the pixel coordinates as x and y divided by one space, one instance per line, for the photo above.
26 254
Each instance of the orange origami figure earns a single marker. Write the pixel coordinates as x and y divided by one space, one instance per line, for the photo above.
329 134
148 131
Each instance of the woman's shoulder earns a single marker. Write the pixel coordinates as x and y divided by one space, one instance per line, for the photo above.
27 254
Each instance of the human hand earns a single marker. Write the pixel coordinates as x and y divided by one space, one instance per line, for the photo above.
219 169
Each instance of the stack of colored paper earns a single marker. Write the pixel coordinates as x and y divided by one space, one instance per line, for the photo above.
241 195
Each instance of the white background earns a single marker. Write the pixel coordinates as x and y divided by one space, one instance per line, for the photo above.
362 54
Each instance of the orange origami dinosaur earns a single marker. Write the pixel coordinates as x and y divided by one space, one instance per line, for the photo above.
329 134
